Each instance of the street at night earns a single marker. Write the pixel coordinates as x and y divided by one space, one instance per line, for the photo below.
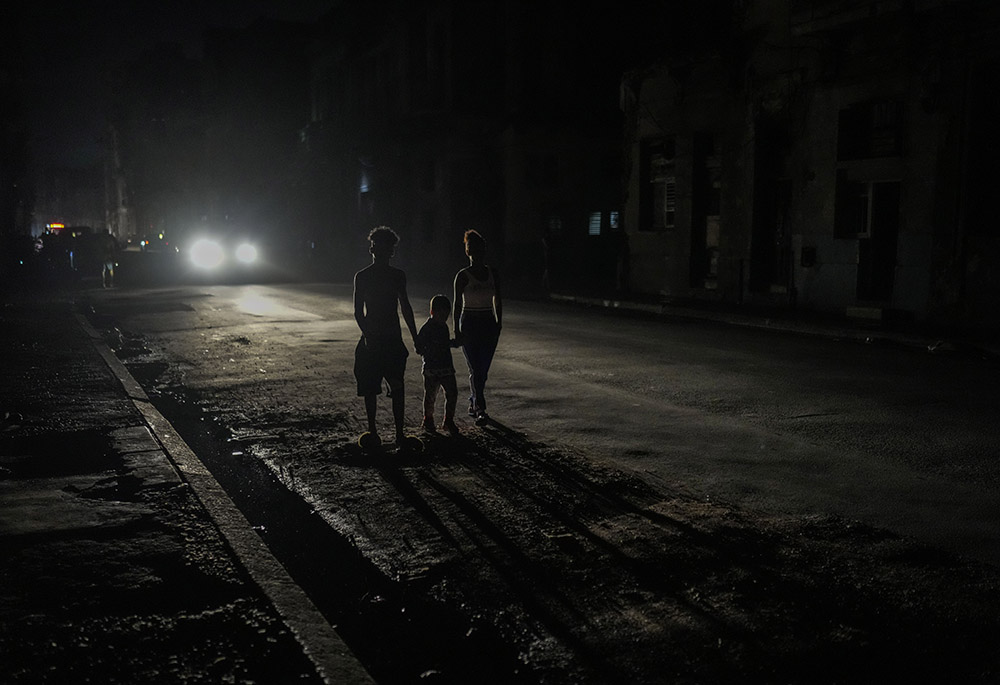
499 341
762 503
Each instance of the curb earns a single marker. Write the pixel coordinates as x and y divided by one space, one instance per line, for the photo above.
332 658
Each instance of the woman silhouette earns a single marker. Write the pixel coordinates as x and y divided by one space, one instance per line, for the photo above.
478 319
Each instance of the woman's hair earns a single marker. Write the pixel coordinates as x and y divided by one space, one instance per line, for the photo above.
474 239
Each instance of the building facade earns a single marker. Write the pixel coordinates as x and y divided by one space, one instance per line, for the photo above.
829 155
441 116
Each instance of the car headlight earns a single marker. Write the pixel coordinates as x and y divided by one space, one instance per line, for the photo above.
246 253
207 254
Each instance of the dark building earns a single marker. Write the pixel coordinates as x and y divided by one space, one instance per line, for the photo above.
433 117
16 192
209 144
255 93
118 201
440 116
830 155
72 196
153 178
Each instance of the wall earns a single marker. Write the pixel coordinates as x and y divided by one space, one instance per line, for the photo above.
785 103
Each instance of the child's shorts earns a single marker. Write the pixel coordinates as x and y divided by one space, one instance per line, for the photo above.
375 359
440 378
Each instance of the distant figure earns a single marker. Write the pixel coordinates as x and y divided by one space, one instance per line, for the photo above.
434 342
108 254
379 295
478 319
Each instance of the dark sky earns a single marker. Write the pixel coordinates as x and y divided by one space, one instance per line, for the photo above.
64 42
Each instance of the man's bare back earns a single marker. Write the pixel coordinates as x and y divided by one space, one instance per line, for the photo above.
379 289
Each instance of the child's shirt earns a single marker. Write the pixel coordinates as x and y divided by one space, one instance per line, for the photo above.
434 341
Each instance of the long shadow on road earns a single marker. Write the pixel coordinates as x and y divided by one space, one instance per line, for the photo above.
551 567
398 636
602 578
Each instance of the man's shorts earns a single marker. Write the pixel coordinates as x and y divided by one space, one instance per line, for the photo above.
375 359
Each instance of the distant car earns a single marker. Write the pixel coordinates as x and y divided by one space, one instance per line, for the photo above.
223 256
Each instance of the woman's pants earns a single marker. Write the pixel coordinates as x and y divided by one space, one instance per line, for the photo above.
480 335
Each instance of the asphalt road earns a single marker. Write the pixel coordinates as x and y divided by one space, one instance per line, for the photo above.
775 422
656 500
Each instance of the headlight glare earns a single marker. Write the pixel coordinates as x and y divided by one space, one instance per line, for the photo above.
246 253
206 254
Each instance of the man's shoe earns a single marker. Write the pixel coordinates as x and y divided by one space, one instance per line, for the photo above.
449 425
369 441
428 425
482 419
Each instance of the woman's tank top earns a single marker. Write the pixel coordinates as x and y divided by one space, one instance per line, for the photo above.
478 295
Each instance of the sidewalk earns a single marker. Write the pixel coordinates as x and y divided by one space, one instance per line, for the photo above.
935 340
123 561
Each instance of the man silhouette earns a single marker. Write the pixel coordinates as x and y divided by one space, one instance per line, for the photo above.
379 296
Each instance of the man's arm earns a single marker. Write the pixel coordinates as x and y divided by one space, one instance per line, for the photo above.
421 341
359 303
404 306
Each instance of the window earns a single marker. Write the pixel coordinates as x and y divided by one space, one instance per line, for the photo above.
595 224
665 191
859 203
870 130
659 185
706 201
